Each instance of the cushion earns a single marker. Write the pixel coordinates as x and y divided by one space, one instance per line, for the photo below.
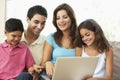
116 59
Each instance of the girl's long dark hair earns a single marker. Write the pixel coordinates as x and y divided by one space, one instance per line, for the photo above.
101 43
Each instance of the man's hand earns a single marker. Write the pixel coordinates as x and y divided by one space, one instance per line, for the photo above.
38 68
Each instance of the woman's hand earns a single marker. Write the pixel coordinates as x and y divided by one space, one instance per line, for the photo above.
49 68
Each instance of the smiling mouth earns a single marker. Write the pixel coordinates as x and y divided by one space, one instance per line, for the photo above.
38 31
62 26
87 41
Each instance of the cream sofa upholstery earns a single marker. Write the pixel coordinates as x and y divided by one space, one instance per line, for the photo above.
116 59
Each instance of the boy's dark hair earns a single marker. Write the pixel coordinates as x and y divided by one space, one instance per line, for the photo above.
14 24
36 10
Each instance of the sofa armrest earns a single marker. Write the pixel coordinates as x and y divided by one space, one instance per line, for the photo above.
116 59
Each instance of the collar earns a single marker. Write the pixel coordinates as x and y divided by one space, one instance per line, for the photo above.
38 41
5 44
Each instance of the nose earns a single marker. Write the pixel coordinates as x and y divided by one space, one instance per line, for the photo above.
17 38
84 38
40 26
61 20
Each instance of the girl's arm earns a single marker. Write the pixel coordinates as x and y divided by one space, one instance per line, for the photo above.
109 63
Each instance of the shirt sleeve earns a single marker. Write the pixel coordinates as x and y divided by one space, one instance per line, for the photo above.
50 39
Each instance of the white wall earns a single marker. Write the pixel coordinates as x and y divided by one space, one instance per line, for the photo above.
105 12
2 18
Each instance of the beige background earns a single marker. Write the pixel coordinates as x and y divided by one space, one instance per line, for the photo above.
105 12
2 18
100 10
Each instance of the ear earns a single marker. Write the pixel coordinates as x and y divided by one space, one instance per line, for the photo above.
27 19
5 32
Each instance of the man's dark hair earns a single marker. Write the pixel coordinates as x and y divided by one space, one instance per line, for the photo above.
36 10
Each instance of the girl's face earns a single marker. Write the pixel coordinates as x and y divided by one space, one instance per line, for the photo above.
63 20
13 38
88 36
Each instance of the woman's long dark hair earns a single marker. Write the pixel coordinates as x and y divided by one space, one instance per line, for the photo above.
58 34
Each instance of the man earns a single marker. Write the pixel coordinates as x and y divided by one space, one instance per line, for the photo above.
36 19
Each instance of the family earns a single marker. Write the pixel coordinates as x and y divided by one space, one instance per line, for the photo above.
28 55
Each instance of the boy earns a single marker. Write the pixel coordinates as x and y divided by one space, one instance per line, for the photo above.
14 56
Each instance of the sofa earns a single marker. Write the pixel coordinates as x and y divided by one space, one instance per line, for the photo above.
116 59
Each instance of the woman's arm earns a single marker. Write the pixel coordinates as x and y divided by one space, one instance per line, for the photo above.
47 51
46 59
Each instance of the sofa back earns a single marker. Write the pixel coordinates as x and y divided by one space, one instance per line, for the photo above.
116 59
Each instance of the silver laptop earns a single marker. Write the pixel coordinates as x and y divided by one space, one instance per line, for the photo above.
74 68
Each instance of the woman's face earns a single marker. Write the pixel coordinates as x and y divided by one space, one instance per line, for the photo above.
88 36
63 20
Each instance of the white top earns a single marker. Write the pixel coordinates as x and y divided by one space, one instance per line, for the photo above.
100 68
36 48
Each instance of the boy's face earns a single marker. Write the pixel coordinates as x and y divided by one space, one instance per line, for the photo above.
36 24
13 38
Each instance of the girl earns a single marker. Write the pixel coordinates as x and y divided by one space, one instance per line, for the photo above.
94 43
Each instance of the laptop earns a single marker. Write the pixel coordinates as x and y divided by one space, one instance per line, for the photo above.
74 68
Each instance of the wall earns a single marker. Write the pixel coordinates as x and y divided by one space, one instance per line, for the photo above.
105 12
2 18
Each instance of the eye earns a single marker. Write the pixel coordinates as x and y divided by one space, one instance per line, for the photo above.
65 17
13 35
36 22
57 18
20 36
87 34
43 23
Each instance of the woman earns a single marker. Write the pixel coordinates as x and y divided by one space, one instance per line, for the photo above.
60 43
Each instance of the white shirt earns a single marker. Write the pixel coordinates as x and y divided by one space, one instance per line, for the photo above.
100 68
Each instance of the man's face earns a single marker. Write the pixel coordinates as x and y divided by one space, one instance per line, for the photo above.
36 24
